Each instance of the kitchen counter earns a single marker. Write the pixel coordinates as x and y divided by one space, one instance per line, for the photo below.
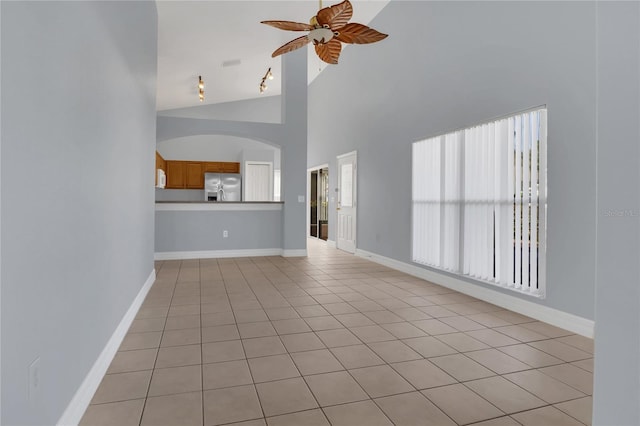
218 205
219 202
213 229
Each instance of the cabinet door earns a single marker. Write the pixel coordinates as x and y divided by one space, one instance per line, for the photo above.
231 167
195 175
160 164
212 167
175 174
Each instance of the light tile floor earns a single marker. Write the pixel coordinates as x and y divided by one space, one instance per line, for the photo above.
334 339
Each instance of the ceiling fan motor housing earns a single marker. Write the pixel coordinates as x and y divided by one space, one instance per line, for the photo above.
320 35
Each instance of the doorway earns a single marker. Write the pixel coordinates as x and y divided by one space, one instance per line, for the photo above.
346 229
319 203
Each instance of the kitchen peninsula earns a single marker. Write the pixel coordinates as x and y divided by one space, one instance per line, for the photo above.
200 229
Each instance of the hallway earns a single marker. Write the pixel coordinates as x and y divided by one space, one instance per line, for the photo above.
334 339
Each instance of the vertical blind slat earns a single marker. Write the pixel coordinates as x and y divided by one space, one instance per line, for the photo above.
479 201
518 202
526 171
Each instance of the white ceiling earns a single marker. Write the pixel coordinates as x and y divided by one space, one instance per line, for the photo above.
198 37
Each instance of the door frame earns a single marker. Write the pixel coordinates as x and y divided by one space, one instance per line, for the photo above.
260 163
353 153
308 205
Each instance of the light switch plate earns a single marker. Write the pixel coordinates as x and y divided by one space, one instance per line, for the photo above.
301 198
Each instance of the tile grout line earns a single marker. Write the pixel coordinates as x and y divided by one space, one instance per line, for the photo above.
288 267
246 360
144 405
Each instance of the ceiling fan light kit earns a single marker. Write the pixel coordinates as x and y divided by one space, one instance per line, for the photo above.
327 31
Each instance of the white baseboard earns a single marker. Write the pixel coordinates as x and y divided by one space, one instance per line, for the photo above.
80 401
294 253
214 254
564 320
332 244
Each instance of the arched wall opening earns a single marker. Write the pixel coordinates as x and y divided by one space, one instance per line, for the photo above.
218 148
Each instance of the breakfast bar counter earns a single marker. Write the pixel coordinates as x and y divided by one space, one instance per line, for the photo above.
190 230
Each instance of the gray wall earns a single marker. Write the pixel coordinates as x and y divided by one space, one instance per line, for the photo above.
209 148
290 136
617 310
265 109
78 140
449 65
202 230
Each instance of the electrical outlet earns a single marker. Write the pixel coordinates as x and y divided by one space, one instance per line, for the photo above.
225 234
34 382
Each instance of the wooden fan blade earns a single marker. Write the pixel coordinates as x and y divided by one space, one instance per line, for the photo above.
294 44
288 25
329 52
359 34
335 16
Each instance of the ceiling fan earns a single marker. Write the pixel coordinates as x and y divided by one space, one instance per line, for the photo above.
327 30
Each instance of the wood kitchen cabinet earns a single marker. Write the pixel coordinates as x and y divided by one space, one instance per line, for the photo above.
176 175
212 167
231 167
220 167
194 175
190 174
160 164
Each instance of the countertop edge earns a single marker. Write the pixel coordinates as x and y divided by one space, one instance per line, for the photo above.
218 206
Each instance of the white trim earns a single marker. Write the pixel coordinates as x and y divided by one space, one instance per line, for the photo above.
354 152
573 323
221 206
331 243
80 401
294 253
320 167
308 204
246 165
214 254
354 206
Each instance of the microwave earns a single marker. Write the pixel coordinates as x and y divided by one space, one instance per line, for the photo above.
161 178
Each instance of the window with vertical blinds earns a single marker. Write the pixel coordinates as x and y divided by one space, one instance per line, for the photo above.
479 202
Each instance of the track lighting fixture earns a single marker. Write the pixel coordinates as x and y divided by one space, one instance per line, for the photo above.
263 83
200 88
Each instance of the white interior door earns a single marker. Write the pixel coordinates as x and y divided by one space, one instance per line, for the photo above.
258 181
346 205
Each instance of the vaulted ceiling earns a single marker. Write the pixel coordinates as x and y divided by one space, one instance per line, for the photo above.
224 42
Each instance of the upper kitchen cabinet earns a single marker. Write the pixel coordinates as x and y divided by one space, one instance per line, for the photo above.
161 163
195 175
231 167
176 174
212 167
190 174
220 167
